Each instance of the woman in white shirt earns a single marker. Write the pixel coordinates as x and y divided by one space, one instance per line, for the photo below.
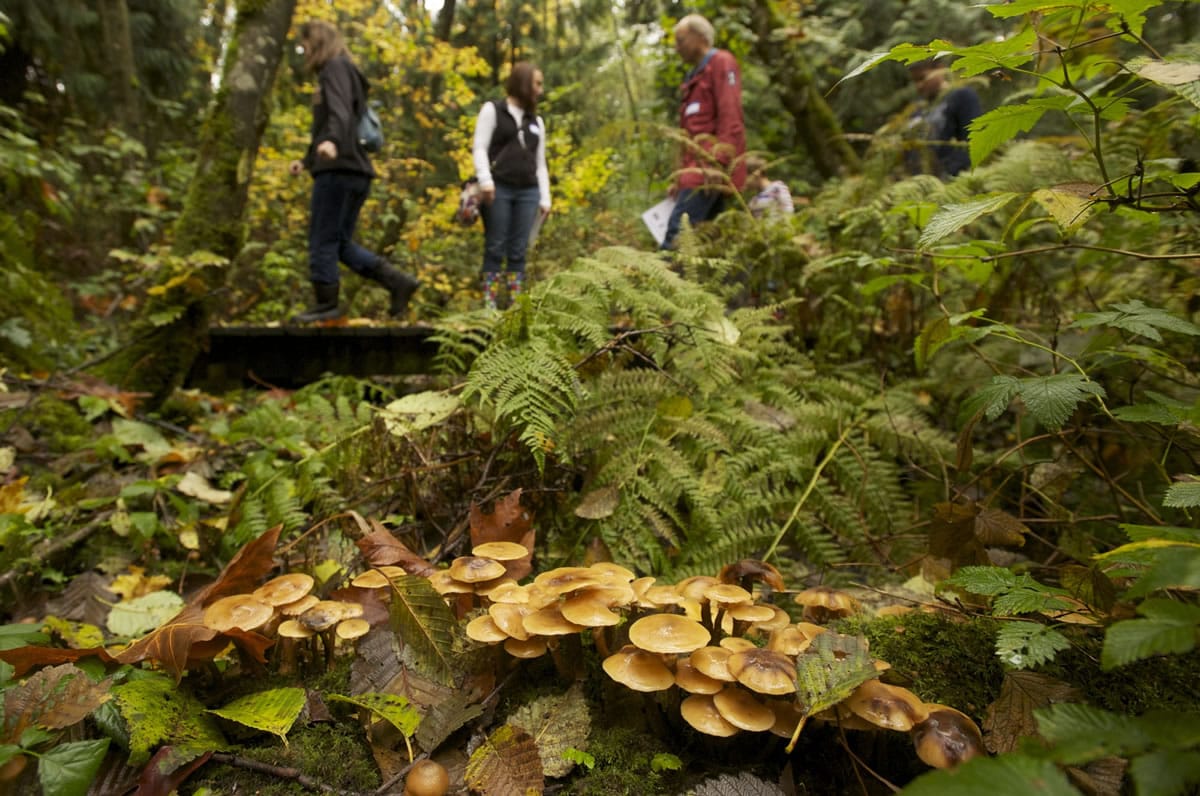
514 185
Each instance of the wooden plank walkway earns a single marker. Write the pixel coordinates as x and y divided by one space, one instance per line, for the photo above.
291 356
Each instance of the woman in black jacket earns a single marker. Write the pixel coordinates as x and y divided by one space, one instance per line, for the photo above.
342 175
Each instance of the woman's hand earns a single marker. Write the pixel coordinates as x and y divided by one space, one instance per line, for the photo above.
295 168
486 195
327 150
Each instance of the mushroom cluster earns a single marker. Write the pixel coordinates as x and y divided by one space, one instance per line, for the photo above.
286 607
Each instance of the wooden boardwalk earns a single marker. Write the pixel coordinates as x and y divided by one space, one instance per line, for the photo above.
290 356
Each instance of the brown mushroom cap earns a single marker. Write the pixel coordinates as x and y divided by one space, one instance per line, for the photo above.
741 709
509 592
779 619
500 551
502 585
727 593
661 595
528 648
510 619
474 569
695 586
751 569
350 629
612 571
327 613
242 611
300 606
822 604
427 778
713 662
371 579
754 612
293 629
764 671
737 644
947 737
692 680
549 622
668 633
589 608
567 579
790 640
284 589
444 583
484 629
638 669
701 712
887 706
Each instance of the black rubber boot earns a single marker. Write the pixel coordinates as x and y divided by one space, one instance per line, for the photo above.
399 284
326 306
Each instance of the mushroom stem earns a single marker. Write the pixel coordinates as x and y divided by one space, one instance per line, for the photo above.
287 656
600 640
328 639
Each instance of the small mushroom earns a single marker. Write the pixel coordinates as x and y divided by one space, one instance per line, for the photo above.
638 669
284 589
713 662
500 551
351 629
510 619
474 569
533 647
484 629
823 604
740 708
241 611
887 706
692 680
668 633
549 622
764 671
290 632
745 572
947 737
427 778
300 606
701 712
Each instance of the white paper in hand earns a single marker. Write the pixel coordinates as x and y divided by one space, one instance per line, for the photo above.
656 218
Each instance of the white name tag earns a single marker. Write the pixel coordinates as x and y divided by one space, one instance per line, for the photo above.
535 129
693 107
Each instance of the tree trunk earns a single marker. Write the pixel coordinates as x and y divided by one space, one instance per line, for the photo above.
445 21
816 125
117 65
172 327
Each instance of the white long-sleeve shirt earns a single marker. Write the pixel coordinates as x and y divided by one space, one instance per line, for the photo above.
485 125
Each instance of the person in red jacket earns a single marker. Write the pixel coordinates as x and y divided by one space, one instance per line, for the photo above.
710 112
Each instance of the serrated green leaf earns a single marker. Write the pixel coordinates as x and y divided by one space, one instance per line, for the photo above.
1183 495
987 581
1137 318
273 711
1024 645
1169 628
943 331
1052 399
986 776
8 751
1171 566
991 130
1069 210
1029 600
1081 733
392 708
1166 772
140 615
428 627
829 670
68 769
952 218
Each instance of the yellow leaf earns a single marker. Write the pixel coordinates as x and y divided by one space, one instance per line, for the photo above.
135 583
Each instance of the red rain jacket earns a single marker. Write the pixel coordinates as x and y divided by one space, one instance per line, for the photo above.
711 105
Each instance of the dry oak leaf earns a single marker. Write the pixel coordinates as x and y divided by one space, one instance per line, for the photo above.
1010 717
381 549
507 763
508 523
22 659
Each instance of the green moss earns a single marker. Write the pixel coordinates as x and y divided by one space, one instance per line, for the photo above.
55 423
624 765
1166 683
951 663
334 755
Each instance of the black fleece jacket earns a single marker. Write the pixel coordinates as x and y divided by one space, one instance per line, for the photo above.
340 98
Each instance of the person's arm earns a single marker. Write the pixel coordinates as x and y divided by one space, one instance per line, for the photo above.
485 126
543 172
966 109
727 94
337 93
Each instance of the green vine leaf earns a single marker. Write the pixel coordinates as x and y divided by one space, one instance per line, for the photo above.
1137 318
1024 645
273 711
952 218
997 127
984 776
392 708
1169 627
830 670
1183 495
69 769
986 581
427 626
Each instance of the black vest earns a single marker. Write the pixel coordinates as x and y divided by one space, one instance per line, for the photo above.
513 152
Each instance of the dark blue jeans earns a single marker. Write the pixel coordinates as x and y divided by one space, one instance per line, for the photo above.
507 222
337 196
697 205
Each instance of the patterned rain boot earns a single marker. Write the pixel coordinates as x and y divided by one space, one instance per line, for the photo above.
491 289
516 285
